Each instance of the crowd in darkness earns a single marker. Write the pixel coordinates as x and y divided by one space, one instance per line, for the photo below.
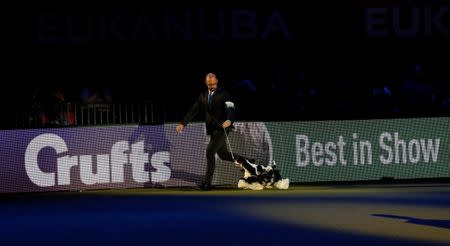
275 94
417 90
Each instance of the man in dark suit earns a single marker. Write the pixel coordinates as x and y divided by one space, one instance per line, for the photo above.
219 111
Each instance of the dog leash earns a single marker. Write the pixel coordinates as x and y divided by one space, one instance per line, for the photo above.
228 143
226 137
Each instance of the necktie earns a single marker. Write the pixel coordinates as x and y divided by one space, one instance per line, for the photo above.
210 98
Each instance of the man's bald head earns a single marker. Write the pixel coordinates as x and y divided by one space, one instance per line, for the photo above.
211 75
211 81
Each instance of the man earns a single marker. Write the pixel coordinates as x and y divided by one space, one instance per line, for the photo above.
219 110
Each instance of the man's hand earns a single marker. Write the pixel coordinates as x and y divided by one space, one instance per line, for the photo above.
179 128
226 124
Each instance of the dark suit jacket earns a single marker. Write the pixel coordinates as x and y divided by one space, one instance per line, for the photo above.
220 110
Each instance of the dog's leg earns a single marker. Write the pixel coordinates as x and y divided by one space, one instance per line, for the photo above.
242 184
256 186
282 184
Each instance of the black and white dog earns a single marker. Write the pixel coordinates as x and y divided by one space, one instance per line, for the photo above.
258 177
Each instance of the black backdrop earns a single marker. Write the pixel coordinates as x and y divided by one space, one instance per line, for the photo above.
327 47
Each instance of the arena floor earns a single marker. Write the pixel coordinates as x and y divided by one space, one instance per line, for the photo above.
303 215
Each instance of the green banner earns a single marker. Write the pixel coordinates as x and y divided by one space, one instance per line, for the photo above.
362 149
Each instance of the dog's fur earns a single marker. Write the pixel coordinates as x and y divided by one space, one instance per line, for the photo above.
258 177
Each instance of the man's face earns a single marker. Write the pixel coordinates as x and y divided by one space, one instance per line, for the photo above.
211 82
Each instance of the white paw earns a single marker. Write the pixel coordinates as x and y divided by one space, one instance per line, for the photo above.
242 184
256 186
282 184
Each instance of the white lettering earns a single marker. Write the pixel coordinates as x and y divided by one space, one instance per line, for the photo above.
109 168
302 144
36 175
